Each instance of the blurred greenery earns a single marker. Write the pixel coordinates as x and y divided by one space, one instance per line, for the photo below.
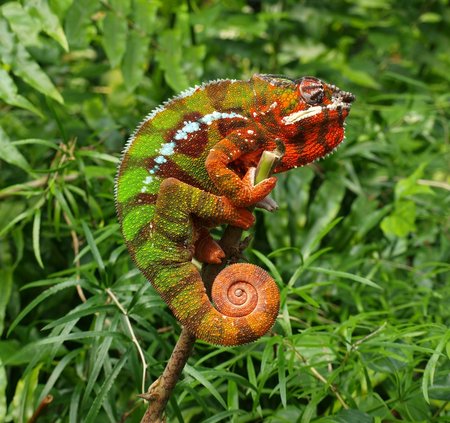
359 247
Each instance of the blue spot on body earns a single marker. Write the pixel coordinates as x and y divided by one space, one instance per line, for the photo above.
188 128
212 117
160 160
167 149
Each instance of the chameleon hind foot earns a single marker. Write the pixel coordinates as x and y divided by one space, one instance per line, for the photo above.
206 249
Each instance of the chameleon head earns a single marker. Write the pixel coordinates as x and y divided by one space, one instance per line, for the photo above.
306 114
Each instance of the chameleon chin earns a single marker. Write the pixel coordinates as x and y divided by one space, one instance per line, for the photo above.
189 166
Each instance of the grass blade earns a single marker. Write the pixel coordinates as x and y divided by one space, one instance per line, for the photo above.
105 388
36 243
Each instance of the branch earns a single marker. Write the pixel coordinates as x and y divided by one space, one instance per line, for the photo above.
159 392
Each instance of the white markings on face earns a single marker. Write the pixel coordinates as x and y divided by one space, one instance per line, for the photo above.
302 114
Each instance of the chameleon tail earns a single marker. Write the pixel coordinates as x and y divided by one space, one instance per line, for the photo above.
246 300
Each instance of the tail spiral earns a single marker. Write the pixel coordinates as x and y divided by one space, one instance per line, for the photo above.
246 300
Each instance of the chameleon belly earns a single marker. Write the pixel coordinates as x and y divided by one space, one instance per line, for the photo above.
188 168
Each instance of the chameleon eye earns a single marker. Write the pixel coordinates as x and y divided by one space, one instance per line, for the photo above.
312 91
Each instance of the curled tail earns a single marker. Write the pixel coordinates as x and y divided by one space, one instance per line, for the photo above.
246 302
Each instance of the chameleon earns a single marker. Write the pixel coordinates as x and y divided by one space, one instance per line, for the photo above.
190 166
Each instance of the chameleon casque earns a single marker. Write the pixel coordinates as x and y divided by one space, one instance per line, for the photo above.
190 166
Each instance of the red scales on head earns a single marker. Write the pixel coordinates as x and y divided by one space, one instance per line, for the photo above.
306 114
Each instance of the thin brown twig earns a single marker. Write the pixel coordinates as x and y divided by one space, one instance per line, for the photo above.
356 345
318 376
41 407
133 336
76 251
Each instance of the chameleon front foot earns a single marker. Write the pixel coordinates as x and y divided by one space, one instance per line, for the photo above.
253 194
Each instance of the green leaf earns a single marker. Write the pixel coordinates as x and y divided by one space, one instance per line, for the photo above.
73 315
121 7
144 15
42 296
93 246
134 62
440 389
36 243
36 347
6 282
232 395
345 275
224 416
349 416
360 77
23 401
24 67
251 374
78 27
430 368
60 7
115 29
282 375
323 212
169 56
22 216
52 379
270 265
40 9
3 384
75 403
409 186
105 388
430 17
401 221
14 54
8 93
203 381
10 154
22 23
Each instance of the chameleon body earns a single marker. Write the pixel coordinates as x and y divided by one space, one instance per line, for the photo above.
190 166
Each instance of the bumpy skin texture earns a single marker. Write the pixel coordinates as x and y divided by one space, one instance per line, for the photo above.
189 167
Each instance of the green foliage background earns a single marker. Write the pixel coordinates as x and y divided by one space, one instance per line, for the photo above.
359 247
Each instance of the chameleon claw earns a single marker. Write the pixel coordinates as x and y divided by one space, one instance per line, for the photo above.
268 204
